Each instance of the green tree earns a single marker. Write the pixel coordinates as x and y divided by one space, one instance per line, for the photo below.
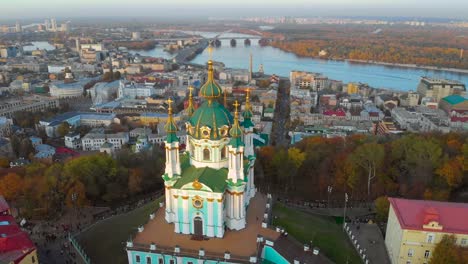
25 147
15 142
117 75
382 205
369 157
63 129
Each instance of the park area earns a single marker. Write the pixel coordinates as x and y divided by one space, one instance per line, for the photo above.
105 241
324 232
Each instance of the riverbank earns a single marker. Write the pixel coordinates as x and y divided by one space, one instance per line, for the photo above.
413 66
370 62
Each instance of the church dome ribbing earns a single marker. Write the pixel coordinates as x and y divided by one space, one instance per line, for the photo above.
211 90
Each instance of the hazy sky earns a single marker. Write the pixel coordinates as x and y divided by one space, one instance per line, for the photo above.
83 8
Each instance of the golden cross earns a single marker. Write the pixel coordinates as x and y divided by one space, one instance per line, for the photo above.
247 92
236 104
210 51
169 102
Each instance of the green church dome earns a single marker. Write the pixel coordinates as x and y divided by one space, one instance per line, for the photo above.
210 90
210 121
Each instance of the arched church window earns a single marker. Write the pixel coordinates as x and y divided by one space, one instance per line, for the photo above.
223 152
206 154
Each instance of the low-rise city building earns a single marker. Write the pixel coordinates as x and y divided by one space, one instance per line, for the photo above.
73 140
94 140
415 227
36 103
440 88
75 119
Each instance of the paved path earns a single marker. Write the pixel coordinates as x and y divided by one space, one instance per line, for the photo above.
371 241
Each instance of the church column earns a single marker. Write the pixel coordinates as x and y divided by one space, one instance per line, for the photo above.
210 231
231 202
176 213
186 223
236 205
169 209
220 224
241 205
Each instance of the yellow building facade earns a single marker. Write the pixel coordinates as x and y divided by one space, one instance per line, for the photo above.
352 88
415 227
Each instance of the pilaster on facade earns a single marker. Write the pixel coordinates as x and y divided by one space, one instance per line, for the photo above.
172 159
248 142
236 163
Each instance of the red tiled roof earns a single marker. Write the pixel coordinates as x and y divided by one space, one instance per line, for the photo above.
338 112
14 243
413 214
3 205
462 119
63 150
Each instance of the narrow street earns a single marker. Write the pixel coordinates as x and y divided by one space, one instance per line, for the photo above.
281 117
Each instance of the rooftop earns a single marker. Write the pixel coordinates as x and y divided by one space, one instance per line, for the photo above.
454 99
414 214
241 243
14 243
433 81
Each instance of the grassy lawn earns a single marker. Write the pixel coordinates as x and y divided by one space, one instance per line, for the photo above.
105 242
322 230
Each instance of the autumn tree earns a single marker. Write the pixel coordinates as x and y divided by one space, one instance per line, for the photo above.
4 162
135 180
452 171
446 251
76 195
382 205
11 186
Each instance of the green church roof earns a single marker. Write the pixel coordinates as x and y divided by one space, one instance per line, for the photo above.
215 179
212 115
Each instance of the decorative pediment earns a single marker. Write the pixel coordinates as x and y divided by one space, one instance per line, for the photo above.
433 225
196 185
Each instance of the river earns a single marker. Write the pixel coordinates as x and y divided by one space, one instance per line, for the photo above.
276 61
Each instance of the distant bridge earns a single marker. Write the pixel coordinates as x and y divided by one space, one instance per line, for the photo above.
200 38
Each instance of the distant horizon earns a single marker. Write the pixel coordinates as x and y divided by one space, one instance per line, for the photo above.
180 9
201 17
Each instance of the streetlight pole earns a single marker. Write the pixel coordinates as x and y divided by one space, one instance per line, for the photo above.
344 213
73 197
329 190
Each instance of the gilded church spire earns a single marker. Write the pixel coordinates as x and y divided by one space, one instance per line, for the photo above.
225 98
236 131
210 90
170 127
190 107
247 114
